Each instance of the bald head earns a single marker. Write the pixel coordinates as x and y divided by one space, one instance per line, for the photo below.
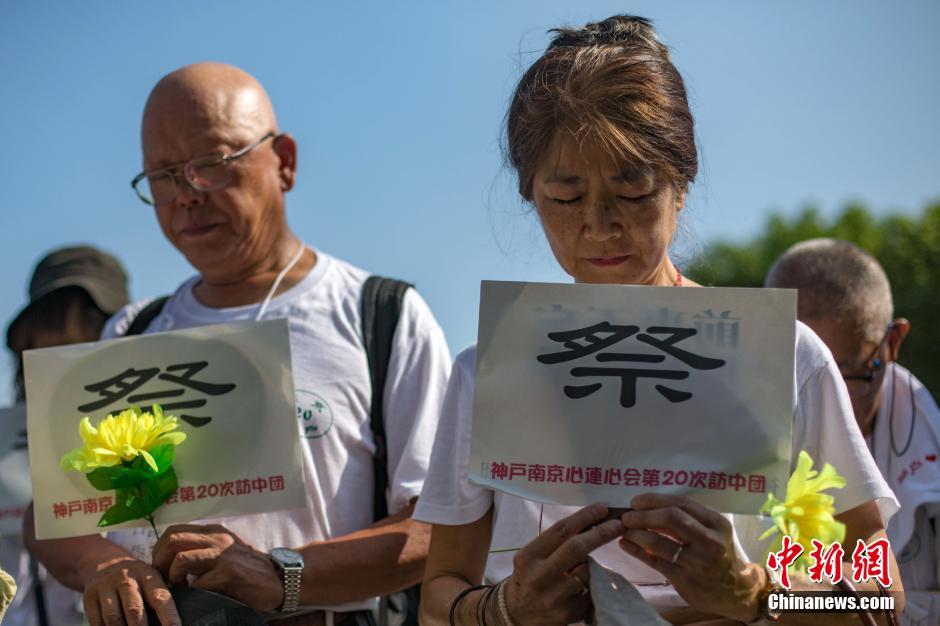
836 280
207 97
225 215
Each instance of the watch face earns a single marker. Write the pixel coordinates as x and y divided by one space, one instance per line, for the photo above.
285 557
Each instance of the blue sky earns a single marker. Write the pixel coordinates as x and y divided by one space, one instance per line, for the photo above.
396 108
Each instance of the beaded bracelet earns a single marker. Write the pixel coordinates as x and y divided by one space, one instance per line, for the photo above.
503 611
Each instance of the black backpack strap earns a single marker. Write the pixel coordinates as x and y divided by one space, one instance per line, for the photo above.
381 307
146 315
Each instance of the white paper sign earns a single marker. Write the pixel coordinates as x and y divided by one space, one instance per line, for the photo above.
15 491
597 393
230 385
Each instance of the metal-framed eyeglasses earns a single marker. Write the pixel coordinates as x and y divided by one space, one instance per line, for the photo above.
205 173
861 386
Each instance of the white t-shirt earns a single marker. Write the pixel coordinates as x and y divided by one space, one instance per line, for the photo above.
823 425
330 366
906 445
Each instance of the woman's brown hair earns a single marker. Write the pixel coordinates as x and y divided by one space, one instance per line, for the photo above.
610 82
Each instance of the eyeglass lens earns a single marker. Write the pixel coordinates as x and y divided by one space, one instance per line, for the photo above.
203 174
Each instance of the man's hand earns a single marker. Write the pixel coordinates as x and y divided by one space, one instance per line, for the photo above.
221 562
115 592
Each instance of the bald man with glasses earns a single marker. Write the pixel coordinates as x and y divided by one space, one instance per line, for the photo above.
216 170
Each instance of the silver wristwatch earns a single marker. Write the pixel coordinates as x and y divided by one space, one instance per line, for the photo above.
767 616
291 565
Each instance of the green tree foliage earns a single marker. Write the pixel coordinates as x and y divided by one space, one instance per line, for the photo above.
907 247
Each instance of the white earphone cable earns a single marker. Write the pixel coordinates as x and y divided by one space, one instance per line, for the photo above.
277 281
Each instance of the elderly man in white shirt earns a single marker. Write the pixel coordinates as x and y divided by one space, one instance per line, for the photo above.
845 296
216 169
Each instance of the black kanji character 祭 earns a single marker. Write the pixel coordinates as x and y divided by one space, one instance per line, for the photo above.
591 335
114 388
628 378
592 339
669 346
191 369
128 381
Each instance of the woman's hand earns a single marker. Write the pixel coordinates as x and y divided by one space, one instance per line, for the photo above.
693 547
550 579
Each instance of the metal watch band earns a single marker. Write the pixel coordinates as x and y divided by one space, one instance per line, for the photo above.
291 588
765 617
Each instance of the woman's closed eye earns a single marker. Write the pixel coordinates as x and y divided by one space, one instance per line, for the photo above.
630 199
625 199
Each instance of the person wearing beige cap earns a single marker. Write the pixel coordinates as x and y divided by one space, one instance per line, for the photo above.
72 293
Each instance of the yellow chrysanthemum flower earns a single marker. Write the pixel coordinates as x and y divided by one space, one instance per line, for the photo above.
807 513
122 437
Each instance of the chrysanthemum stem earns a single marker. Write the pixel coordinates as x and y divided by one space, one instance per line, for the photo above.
156 532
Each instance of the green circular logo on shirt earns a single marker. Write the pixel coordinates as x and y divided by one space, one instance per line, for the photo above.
315 415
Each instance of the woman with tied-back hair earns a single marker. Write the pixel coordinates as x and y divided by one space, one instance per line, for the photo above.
600 135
